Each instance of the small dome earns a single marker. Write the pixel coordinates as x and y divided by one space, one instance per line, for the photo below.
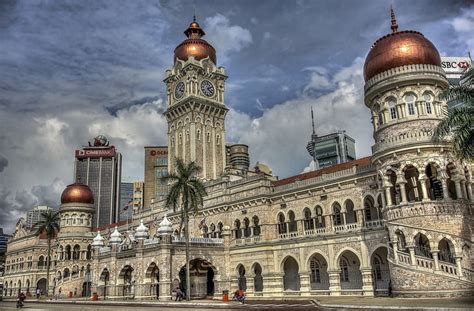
77 193
98 240
141 232
194 45
165 226
398 49
115 237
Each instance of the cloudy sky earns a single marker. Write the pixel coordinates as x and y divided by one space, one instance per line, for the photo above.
70 70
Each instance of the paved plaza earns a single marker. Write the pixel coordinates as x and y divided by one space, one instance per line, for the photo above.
320 303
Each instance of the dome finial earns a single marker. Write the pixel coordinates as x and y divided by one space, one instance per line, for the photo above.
394 20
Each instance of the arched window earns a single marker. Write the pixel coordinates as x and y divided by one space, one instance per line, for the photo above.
242 279
293 226
219 229
212 228
281 223
422 246
76 252
319 219
337 214
377 270
392 108
344 266
308 221
315 267
237 229
41 262
428 103
246 227
351 216
89 252
256 226
410 104
205 231
68 252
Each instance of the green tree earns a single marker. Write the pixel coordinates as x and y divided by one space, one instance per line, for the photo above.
186 192
459 121
48 224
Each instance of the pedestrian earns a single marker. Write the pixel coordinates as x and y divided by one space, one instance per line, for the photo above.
38 293
179 294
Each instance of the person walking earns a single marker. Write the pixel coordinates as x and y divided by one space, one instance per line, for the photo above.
38 293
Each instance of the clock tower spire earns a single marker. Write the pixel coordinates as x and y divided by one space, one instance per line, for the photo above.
196 110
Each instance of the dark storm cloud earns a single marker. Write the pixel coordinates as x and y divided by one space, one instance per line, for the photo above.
71 70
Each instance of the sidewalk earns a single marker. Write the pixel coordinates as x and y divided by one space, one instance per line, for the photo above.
374 303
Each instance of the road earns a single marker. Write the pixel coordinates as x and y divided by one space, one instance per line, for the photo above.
253 305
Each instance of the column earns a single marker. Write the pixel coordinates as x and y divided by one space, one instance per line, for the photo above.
328 222
469 191
388 195
411 249
360 218
457 185
334 282
344 218
463 189
304 284
395 251
367 282
458 265
435 253
403 191
424 192
444 184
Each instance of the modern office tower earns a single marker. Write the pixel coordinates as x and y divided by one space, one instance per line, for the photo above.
156 166
99 166
33 216
331 149
138 187
126 199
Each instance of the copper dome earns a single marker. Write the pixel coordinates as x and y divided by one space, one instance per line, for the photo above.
194 45
398 49
77 193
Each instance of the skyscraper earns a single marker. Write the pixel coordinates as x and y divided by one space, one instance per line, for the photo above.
99 166
156 166
331 149
33 216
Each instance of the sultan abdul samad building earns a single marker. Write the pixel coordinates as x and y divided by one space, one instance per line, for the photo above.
402 216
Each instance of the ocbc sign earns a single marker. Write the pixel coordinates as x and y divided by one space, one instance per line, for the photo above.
158 152
454 65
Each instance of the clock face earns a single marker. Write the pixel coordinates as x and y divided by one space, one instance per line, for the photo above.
179 90
207 88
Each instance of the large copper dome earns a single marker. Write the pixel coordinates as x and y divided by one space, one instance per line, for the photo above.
77 193
194 45
398 49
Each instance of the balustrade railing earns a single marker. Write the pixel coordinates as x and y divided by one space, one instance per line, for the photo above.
199 240
374 223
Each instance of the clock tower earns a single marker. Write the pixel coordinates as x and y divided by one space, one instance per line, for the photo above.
196 110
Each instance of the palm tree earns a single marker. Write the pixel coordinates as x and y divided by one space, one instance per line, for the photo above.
459 122
188 192
49 224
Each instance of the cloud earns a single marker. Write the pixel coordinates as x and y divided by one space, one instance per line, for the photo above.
279 137
463 25
226 38
3 163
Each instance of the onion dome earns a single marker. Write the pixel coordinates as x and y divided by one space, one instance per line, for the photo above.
77 193
398 49
165 226
141 232
115 237
98 241
194 45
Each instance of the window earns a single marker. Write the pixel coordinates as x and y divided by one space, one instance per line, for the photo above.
410 101
428 100
393 109
315 271
344 270
380 117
